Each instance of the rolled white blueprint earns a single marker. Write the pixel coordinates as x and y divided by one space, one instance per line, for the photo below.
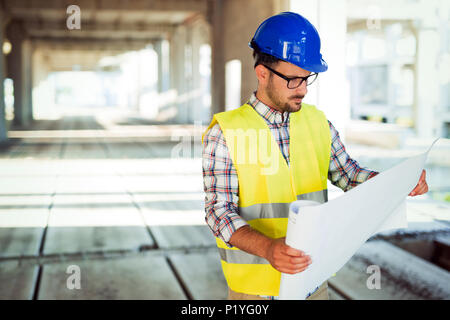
332 232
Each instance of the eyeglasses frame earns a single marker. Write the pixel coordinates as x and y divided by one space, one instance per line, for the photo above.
315 74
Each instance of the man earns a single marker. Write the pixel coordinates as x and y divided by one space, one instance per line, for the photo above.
249 188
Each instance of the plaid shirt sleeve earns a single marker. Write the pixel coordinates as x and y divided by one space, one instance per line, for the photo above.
344 172
220 183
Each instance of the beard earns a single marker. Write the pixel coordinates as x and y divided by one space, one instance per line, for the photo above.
284 106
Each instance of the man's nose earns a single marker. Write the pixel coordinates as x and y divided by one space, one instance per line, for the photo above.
301 89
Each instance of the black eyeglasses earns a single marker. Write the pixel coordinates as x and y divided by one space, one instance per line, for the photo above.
295 82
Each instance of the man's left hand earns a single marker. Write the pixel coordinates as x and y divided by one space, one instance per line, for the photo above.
421 187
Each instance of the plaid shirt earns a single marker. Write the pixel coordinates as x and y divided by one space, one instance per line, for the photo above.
220 179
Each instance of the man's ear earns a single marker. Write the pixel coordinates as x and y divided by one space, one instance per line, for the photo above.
262 74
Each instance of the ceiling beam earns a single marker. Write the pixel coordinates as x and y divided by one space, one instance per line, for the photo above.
98 31
34 7
121 45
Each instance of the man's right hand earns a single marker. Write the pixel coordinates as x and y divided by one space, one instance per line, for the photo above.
282 257
285 258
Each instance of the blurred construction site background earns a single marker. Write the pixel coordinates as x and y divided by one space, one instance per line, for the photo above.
102 107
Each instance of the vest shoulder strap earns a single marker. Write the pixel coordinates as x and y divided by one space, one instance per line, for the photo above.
230 119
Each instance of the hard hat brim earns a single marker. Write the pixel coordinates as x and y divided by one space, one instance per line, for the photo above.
318 66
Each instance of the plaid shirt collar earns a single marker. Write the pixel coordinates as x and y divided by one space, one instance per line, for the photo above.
271 115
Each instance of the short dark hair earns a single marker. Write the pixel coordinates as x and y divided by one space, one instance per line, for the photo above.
263 58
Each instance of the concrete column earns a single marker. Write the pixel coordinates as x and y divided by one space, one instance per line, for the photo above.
178 72
426 82
196 94
174 71
189 85
233 26
27 76
333 89
3 129
427 89
19 69
199 37
217 57
240 28
162 49
330 92
43 90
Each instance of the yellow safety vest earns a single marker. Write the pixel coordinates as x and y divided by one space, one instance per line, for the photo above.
267 185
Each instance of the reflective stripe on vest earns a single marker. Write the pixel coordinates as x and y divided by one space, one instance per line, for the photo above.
267 185
263 211
278 210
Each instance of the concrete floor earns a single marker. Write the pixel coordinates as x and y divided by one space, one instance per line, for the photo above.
117 203
119 207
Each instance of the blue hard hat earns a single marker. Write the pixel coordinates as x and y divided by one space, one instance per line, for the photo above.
290 37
